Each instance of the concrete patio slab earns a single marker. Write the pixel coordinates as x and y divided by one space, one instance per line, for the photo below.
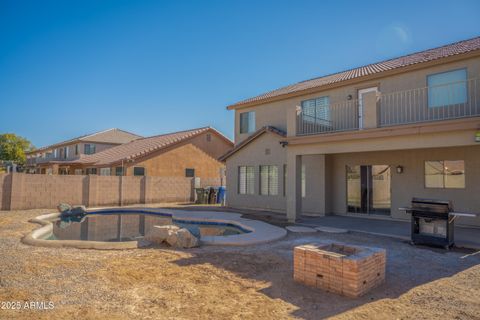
464 237
300 229
331 230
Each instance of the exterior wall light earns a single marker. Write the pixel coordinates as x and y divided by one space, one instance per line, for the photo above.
349 97
399 169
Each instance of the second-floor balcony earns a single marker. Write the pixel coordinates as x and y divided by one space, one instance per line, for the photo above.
435 103
39 160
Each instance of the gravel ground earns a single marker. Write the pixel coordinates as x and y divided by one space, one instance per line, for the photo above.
224 282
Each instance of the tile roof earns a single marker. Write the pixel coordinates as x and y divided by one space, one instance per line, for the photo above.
404 61
141 147
252 137
113 136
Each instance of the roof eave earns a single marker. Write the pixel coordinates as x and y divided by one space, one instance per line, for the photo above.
382 74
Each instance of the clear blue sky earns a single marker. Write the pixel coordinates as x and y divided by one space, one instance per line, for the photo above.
69 68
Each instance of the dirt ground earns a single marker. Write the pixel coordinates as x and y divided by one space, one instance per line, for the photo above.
225 282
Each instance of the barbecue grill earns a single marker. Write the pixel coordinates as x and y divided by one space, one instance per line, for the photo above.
432 221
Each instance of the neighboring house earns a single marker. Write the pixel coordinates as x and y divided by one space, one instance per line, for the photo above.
52 159
190 153
363 142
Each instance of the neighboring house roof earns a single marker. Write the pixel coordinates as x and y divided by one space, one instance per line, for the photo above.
110 136
252 137
144 146
456 48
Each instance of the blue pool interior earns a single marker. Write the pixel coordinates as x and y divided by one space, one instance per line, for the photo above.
117 226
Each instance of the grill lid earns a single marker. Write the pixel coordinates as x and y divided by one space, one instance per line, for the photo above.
432 205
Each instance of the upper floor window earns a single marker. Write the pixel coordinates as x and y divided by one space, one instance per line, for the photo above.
247 122
138 171
317 111
89 148
445 174
76 149
246 179
447 88
269 180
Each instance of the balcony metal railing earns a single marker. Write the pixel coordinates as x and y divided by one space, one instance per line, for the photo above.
435 103
337 117
449 101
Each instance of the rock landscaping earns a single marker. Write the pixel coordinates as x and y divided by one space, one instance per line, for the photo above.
172 235
220 282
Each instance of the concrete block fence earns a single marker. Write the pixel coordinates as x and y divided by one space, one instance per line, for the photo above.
34 191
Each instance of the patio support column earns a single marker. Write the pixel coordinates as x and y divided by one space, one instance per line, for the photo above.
294 186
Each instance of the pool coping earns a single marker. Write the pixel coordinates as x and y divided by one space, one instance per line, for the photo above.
260 232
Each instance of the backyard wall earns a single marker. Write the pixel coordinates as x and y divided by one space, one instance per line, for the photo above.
32 191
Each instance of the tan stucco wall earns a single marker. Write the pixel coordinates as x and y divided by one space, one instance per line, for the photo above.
317 185
174 162
254 154
34 191
275 113
216 147
411 183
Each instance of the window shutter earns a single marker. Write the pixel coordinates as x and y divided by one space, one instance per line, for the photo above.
264 186
242 176
273 181
250 179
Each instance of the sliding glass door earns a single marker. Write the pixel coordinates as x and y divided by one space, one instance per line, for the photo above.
368 189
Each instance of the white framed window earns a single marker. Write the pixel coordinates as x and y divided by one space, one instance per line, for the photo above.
247 122
317 111
246 179
269 180
89 148
445 174
447 88
104 171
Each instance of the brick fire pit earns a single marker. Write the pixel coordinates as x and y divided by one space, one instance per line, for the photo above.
339 268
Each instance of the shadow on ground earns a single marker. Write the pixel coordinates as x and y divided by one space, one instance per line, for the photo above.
407 267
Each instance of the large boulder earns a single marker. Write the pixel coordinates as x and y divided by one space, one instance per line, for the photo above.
159 234
64 207
185 239
172 239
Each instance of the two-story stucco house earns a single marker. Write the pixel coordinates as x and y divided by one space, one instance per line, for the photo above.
53 159
363 142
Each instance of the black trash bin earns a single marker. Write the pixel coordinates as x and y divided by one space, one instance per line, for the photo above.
212 195
200 192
